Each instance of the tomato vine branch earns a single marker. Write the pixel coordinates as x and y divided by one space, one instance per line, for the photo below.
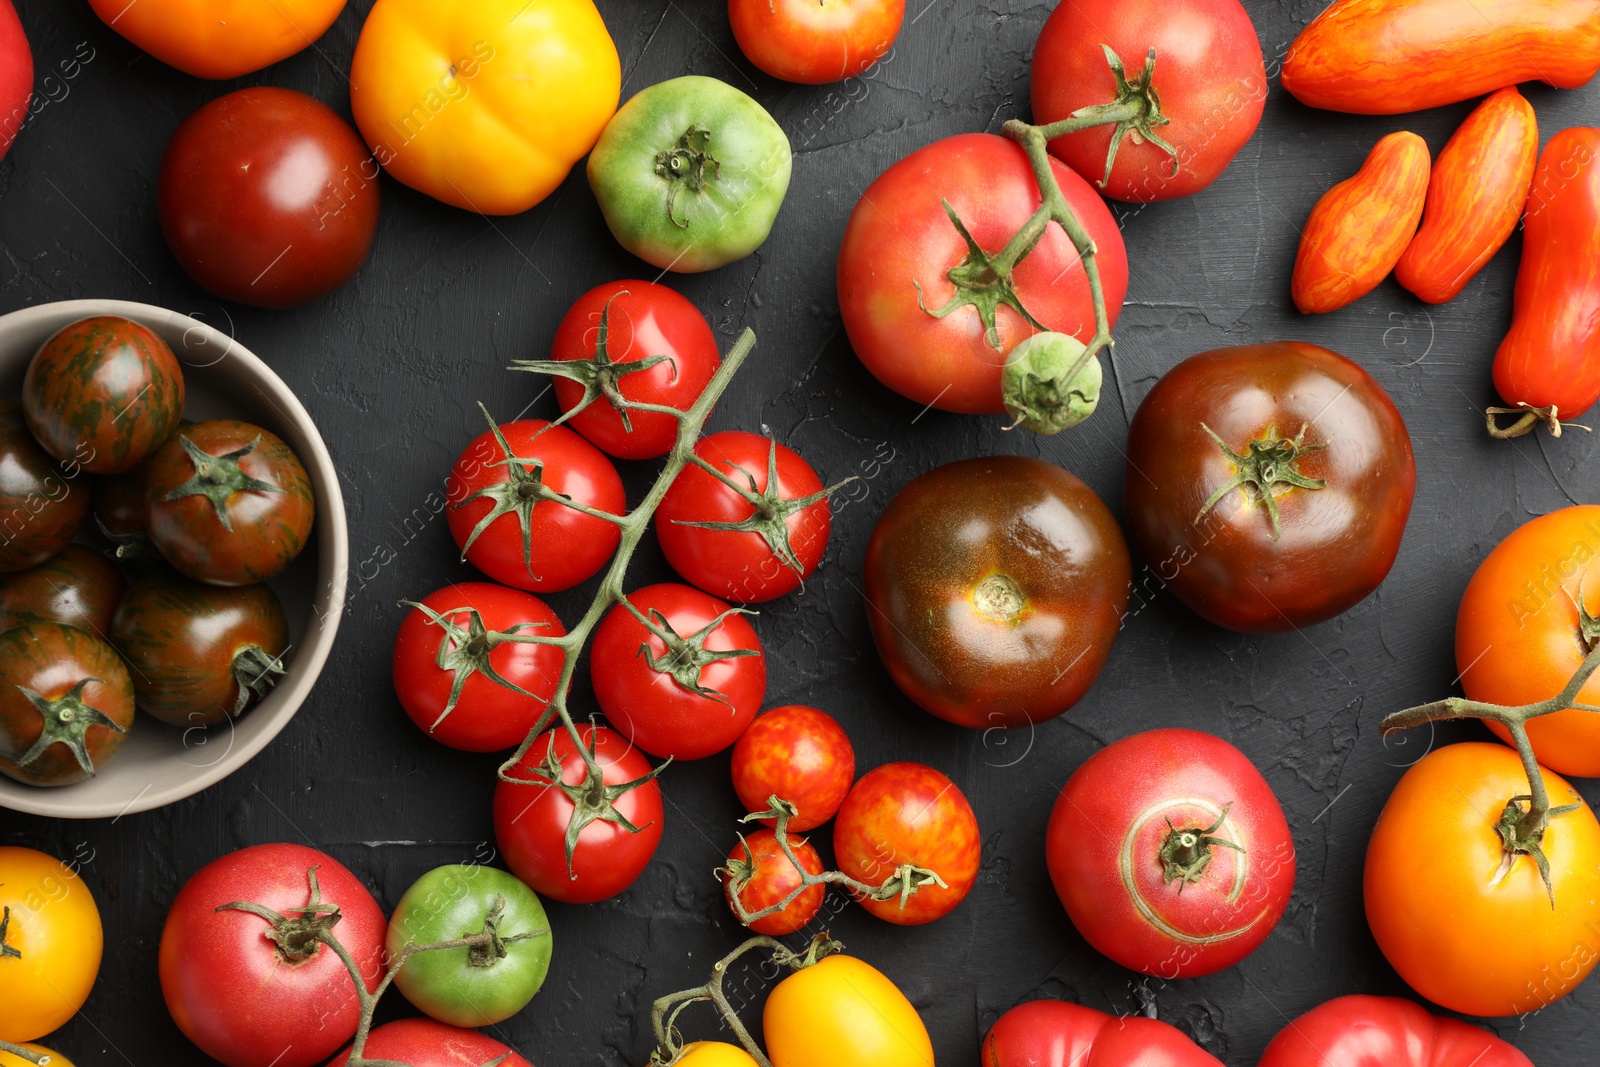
39 1058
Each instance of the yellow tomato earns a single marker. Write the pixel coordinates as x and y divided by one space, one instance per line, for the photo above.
714 1054
219 38
843 1013
54 939
56 1058
484 104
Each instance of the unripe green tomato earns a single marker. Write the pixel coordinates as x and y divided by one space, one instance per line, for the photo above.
1037 390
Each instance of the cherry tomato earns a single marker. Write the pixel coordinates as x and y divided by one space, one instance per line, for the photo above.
843 1013
799 754
814 42
118 502
1361 1031
66 704
762 876
1054 1033
50 943
41 504
76 587
426 1043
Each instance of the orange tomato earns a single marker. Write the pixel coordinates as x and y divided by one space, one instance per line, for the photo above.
219 38
56 1058
714 1054
842 1012
53 941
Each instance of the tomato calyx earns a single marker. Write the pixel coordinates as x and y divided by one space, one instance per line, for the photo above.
217 478
1136 110
1186 853
1050 383
687 165
686 658
255 672
1269 462
1528 417
298 938
464 650
7 951
488 947
66 720
1521 831
983 280
132 547
592 799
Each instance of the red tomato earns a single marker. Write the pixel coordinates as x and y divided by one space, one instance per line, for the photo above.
763 876
530 821
815 41
915 328
1053 1033
1170 853
906 813
244 999
425 1043
781 535
460 682
631 322
16 76
688 701
1361 1031
1209 79
799 754
269 198
501 511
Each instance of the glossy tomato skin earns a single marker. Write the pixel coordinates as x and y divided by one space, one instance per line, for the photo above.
1336 543
1462 934
815 43
1362 1031
908 813
984 578
1209 74
772 878
530 821
1105 850
799 754
76 587
43 504
642 320
899 246
567 545
51 660
649 707
426 1043
714 1054
739 565
255 33
1054 1033
228 987
844 1013
55 926
16 75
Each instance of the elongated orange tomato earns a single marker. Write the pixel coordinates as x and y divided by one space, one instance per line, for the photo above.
1360 227
1388 57
1476 194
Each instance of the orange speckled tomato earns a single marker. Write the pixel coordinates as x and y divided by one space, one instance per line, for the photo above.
762 875
799 754
843 1013
815 41
50 943
219 38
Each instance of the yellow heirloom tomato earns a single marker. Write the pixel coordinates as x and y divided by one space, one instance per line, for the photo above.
219 38
56 1058
843 1013
484 104
50 951
714 1054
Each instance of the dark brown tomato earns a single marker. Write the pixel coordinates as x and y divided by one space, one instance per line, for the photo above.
76 587
1324 439
228 503
66 704
119 512
199 653
104 392
994 589
41 504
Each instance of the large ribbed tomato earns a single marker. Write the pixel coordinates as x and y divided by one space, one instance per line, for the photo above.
1361 1031
1054 1033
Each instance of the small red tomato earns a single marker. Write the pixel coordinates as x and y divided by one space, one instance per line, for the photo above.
66 704
906 814
814 42
763 876
76 587
798 754
41 505
426 1043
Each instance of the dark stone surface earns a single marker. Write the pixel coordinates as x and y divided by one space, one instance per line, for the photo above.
390 368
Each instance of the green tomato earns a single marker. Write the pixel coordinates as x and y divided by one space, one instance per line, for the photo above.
477 985
1039 386
690 174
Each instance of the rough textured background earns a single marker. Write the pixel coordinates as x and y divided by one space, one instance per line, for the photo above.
390 368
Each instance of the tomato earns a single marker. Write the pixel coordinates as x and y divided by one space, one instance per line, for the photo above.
1465 922
761 875
799 754
425 1043
1387 57
920 309
1170 853
66 704
714 1054
470 986
41 504
690 174
906 813
220 41
691 699
103 393
484 106
994 590
56 1058
199 654
845 1013
16 75
1361 1031
267 197
118 504
252 992
50 943
608 330
735 547
1053 1033
466 688
228 503
1267 485
1204 100
500 509
1476 192
814 42
76 587
1361 227
614 843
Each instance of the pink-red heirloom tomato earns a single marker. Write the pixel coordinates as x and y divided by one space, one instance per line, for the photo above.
798 754
269 198
749 544
907 815
1361 1031
637 340
927 307
1053 1033
1170 853
994 590
532 816
76 587
220 40
815 41
41 504
502 491
1174 127
762 875
16 76
66 704
1267 485
461 675
426 1043
688 695
256 988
